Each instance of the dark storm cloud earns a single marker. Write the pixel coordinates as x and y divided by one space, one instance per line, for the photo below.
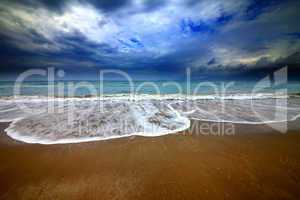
208 36
107 5
104 5
257 7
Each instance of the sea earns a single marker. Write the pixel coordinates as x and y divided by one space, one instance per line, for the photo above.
79 88
76 111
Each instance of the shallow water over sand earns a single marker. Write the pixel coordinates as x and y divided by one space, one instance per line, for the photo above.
72 120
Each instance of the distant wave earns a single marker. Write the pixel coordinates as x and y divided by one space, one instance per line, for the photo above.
126 96
72 120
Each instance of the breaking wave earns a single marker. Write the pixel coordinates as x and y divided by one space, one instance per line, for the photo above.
73 120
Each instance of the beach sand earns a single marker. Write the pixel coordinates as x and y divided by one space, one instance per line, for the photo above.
257 163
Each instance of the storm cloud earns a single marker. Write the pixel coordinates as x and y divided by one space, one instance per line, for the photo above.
156 35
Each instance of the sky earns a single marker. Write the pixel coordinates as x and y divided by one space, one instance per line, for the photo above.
150 36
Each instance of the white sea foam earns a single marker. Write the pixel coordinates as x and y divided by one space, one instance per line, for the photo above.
73 120
87 120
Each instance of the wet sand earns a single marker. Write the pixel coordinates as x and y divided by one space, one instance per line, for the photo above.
257 163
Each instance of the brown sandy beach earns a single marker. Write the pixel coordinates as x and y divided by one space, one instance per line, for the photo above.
258 164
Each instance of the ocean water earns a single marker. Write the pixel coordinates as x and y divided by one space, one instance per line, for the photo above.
96 88
77 112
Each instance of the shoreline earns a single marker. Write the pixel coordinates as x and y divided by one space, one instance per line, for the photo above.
238 129
157 118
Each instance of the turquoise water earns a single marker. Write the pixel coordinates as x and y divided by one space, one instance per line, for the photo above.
94 88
